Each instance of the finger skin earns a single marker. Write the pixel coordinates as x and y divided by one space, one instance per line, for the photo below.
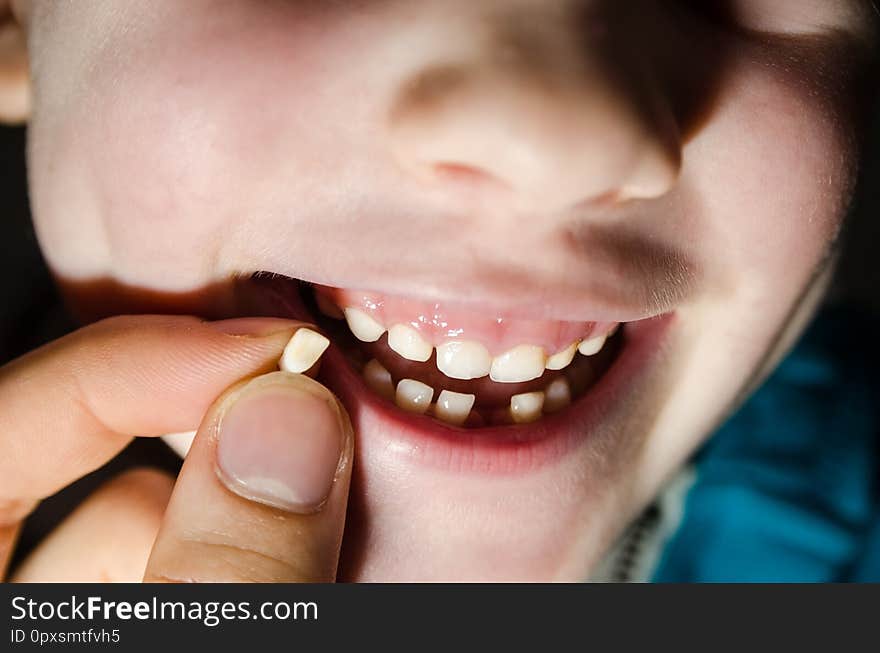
70 406
108 537
67 408
211 534
11 514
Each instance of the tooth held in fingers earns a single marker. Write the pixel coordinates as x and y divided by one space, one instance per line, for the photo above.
407 342
526 407
363 326
563 358
378 379
463 359
522 363
557 395
414 396
453 407
303 351
180 442
592 346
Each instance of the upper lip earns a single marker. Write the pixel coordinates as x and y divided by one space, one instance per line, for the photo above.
528 301
594 273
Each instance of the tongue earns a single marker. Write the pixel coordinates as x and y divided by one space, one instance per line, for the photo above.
438 323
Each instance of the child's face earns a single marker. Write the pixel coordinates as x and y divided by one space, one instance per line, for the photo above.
523 168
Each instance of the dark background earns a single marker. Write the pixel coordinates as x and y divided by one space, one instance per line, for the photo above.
31 312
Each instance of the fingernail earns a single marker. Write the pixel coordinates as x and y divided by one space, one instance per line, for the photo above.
280 442
256 327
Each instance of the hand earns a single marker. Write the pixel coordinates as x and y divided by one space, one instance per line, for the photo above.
261 497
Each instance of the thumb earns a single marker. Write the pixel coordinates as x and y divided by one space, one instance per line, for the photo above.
263 492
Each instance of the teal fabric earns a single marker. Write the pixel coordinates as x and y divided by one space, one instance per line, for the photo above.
787 489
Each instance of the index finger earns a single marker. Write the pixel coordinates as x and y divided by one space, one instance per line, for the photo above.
70 406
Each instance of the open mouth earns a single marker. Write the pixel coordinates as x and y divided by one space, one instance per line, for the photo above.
463 370
452 374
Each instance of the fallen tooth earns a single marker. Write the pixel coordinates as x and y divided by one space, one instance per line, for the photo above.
363 326
407 342
522 363
327 307
563 358
414 396
591 346
378 379
462 359
453 407
526 407
557 395
180 442
303 351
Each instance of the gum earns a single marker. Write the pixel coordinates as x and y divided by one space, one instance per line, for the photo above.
439 323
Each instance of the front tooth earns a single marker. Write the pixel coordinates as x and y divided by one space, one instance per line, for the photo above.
526 407
591 346
522 363
463 359
407 342
379 379
557 395
453 407
414 396
303 351
363 326
563 358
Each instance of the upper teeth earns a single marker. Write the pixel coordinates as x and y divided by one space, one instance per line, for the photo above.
407 342
463 360
467 359
522 363
563 358
591 346
363 326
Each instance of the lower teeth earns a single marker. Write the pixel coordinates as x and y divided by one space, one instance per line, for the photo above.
458 408
557 396
527 407
413 396
453 407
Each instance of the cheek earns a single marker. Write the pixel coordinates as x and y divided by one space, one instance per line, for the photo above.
182 135
767 184
776 170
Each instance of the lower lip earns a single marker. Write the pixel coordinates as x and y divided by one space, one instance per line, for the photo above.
506 450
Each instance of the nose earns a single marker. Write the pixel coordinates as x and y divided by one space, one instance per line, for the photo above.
548 115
